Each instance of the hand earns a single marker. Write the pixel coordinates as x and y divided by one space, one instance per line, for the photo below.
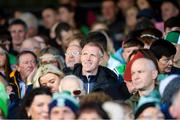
31 76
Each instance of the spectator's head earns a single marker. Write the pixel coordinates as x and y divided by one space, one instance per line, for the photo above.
66 13
149 108
49 15
144 74
92 110
131 17
72 84
141 53
63 31
35 104
148 36
75 39
30 44
164 52
129 46
174 38
63 106
72 55
171 24
18 30
91 57
32 23
48 76
5 38
143 4
42 40
169 8
144 23
26 63
109 10
98 25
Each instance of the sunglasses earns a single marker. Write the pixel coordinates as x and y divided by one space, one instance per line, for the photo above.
76 92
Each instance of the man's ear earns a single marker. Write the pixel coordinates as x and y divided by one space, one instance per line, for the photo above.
154 74
28 111
172 111
17 68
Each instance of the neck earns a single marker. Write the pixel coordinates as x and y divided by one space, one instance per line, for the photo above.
146 91
17 47
88 73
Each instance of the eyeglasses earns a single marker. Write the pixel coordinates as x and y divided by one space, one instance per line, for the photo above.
166 60
73 53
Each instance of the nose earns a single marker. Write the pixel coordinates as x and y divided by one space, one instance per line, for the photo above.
170 62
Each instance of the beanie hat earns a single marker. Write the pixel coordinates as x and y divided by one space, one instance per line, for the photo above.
172 84
144 103
173 37
43 70
127 73
64 99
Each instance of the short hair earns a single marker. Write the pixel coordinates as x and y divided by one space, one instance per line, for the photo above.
94 107
162 48
28 100
24 53
101 52
62 26
69 7
19 22
97 37
144 23
146 54
74 78
132 43
172 22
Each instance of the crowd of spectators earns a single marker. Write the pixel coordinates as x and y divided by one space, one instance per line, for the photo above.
121 64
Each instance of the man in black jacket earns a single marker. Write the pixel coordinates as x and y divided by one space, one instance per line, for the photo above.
94 76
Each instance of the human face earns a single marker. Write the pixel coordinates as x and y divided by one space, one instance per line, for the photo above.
65 15
151 113
2 58
90 59
71 85
50 80
131 15
109 10
128 51
89 115
63 113
143 76
65 35
168 10
26 65
39 107
18 34
49 18
165 64
143 4
72 56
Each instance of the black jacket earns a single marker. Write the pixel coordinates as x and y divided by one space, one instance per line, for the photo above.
106 81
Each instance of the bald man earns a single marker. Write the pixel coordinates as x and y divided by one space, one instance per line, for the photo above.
143 74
